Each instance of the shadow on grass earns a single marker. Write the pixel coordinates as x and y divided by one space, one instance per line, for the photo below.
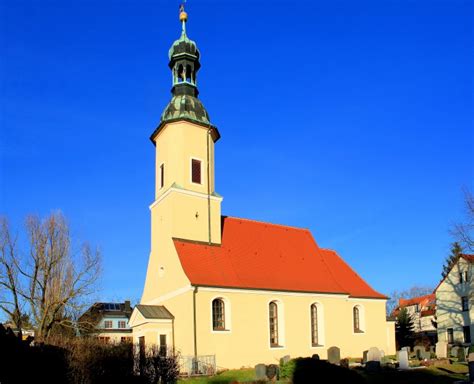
418 376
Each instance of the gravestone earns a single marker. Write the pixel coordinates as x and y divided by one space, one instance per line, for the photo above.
461 355
285 359
441 350
364 356
382 353
425 355
261 372
272 372
454 351
315 356
418 351
406 349
344 363
402 359
471 367
334 355
372 366
373 354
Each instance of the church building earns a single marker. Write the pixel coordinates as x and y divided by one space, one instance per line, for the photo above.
244 291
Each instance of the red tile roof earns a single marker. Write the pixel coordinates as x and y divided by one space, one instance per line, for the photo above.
257 255
422 300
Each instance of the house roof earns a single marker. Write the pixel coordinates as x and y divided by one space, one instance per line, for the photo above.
154 312
258 255
467 257
422 300
100 310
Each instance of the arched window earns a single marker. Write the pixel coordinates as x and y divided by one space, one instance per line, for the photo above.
314 326
218 315
273 314
356 318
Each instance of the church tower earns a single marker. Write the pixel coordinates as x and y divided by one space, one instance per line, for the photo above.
186 205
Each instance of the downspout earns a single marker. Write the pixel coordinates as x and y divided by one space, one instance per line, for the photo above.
195 360
208 187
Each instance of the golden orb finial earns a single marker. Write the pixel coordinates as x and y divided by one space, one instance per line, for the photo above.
183 16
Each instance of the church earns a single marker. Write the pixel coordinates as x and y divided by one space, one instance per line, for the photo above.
243 291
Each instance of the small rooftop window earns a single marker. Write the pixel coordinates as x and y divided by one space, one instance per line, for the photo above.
112 307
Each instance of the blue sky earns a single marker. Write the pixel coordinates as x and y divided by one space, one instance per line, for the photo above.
351 118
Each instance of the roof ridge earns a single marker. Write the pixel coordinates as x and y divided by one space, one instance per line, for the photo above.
267 223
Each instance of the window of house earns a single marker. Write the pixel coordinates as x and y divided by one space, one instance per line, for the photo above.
450 335
196 171
163 346
108 324
465 303
126 339
356 319
162 175
104 340
314 325
461 280
273 316
122 324
218 315
467 333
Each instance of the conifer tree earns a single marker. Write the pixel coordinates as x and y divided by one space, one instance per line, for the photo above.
456 252
403 328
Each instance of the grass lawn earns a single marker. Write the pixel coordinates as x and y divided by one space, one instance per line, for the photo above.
430 375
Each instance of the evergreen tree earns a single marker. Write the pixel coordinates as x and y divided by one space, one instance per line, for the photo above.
403 328
456 252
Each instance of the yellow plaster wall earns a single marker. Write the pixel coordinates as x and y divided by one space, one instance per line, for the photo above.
246 343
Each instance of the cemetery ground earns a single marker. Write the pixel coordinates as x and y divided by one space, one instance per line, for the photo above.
442 374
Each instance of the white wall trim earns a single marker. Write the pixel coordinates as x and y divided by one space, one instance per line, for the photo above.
264 292
185 192
169 295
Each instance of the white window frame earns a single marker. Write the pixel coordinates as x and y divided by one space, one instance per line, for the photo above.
321 330
191 170
227 315
362 326
281 323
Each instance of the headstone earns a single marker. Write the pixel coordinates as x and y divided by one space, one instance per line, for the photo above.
471 367
454 351
344 363
315 356
461 355
372 366
382 353
441 350
418 350
373 354
432 348
364 356
285 359
402 359
425 355
406 349
272 372
261 372
334 355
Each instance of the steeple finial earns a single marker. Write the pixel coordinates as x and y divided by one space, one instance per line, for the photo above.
183 17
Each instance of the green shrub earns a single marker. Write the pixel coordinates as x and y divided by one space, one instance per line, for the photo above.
287 369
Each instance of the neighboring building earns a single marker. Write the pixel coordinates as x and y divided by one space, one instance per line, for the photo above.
454 303
245 291
108 321
422 310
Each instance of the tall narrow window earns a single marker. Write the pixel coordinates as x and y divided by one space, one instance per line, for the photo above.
450 335
273 312
196 171
218 315
465 303
467 333
356 316
314 325
107 324
162 175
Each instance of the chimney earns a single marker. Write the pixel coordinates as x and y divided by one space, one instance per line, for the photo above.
126 307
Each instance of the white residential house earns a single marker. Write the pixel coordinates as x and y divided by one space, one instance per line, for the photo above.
455 303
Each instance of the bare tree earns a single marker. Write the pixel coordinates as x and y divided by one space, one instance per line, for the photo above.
50 280
415 291
464 232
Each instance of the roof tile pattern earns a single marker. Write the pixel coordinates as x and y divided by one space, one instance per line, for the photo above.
257 255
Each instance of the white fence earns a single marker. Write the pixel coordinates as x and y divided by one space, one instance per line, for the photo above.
200 366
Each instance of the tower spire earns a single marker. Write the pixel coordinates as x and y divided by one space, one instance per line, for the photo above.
183 17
